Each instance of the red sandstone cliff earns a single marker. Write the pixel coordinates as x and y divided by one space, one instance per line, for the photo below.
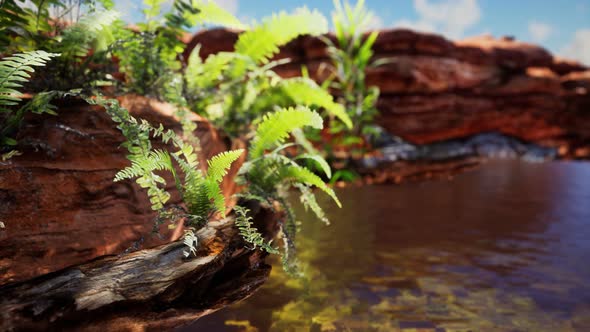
58 200
435 89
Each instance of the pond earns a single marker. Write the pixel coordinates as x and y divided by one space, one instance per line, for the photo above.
502 248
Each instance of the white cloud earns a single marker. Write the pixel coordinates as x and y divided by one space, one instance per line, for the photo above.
376 22
450 17
539 31
579 47
419 25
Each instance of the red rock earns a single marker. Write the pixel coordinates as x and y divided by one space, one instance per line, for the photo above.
429 74
564 66
58 200
212 41
436 89
505 52
578 82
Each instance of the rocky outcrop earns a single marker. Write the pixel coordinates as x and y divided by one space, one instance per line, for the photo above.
434 89
149 290
58 201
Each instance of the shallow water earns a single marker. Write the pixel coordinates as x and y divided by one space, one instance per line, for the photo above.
502 248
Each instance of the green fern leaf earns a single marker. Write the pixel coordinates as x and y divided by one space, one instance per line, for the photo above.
77 40
276 126
17 69
309 201
249 233
264 40
298 174
321 162
155 160
218 167
219 164
304 91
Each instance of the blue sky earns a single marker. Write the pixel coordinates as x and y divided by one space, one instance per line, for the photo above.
562 26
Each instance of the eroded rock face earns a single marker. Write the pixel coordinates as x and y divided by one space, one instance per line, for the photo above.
435 89
58 200
154 289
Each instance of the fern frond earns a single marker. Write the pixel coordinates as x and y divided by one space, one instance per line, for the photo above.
194 191
304 91
309 201
99 20
208 12
143 167
301 140
208 74
276 126
321 162
218 167
41 102
77 40
220 164
17 69
264 40
249 233
298 174
155 160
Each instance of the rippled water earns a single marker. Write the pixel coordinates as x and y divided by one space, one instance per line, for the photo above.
502 248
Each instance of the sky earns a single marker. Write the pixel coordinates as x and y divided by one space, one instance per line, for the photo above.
561 26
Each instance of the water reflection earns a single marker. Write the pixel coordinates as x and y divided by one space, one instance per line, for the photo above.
503 248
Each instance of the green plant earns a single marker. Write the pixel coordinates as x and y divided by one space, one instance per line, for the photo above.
200 190
269 176
351 55
234 89
250 233
150 58
16 70
85 59
52 26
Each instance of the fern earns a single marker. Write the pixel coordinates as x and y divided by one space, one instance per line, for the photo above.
200 192
276 126
249 233
309 201
297 174
264 40
155 160
269 176
14 71
92 30
321 162
304 91
218 166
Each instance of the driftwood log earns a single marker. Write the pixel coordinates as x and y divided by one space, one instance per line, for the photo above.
148 290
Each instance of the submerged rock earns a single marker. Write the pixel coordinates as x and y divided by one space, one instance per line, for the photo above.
488 145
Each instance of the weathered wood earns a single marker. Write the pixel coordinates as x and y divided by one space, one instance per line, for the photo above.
151 289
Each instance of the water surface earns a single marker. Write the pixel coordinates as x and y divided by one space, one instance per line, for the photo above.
502 248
